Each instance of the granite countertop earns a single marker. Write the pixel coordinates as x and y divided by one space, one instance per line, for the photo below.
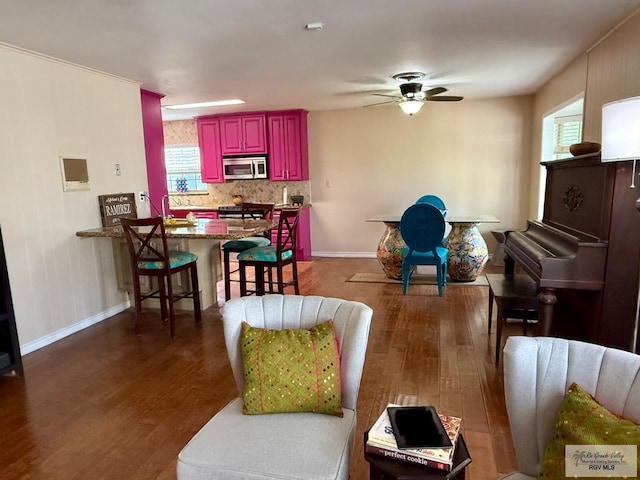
228 229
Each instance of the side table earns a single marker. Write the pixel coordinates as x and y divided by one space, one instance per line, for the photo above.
381 468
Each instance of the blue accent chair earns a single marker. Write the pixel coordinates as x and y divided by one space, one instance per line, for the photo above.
435 201
422 228
439 204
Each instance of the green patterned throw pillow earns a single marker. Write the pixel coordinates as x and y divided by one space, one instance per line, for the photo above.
583 421
291 370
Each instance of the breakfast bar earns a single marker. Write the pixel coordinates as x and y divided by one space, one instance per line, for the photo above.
201 237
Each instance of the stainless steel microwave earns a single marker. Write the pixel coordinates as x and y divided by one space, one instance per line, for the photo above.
244 168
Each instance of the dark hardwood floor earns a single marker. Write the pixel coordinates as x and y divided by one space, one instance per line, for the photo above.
105 403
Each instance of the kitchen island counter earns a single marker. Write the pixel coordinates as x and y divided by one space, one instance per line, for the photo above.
207 229
203 239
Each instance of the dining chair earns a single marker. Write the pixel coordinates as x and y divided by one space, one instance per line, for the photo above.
250 211
422 228
435 201
439 204
150 256
277 446
273 257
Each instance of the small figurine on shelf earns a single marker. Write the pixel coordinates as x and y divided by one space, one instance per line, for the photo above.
181 185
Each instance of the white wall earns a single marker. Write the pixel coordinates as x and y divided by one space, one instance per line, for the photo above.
567 85
61 283
473 154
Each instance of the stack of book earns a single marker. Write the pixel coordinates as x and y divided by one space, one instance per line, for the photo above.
381 440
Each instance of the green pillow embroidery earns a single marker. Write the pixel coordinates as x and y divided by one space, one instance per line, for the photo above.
583 421
291 370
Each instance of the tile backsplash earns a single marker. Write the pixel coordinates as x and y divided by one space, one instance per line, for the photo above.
252 190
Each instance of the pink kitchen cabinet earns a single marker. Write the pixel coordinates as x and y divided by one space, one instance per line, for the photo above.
210 152
243 134
288 147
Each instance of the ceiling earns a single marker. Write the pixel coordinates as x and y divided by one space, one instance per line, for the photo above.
259 50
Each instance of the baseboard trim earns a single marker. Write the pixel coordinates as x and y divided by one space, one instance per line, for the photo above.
71 329
344 254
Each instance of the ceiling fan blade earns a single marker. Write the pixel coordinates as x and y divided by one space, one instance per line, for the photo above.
385 95
381 103
434 91
445 98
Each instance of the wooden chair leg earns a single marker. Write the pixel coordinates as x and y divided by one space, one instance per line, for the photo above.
499 321
243 280
172 326
490 310
296 289
163 299
137 298
259 269
195 291
270 279
227 275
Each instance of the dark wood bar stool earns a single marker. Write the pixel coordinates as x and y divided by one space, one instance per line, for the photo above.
150 256
273 257
516 297
250 211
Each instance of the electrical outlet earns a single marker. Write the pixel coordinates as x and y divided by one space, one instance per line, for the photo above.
143 196
116 169
327 183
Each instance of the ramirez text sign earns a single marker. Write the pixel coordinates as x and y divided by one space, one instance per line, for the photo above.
116 206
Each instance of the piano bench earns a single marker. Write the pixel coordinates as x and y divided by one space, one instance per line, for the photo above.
516 297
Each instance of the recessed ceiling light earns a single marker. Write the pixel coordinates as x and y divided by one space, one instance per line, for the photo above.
314 26
219 103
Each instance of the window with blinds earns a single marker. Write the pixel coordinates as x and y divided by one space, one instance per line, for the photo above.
567 130
183 170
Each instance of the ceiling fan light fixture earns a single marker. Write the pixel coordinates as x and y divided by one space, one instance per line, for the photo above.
411 107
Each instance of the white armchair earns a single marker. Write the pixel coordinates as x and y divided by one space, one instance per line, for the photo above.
282 445
538 372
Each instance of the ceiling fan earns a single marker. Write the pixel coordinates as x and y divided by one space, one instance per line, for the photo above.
412 96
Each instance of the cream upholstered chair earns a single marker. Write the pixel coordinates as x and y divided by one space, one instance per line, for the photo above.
538 372
282 445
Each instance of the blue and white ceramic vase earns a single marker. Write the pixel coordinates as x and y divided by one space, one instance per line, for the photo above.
390 251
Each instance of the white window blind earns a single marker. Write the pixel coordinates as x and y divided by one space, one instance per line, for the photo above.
183 169
566 131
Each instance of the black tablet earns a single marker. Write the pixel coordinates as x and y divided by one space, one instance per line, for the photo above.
418 427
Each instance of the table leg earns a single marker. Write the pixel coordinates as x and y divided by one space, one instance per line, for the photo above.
390 251
468 252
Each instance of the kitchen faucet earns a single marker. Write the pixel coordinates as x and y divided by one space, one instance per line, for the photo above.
162 204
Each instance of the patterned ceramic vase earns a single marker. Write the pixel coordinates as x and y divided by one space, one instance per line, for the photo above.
390 251
467 252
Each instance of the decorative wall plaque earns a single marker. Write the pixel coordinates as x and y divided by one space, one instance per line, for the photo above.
116 206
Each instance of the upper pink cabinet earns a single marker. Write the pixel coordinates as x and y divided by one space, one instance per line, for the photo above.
240 134
210 152
288 149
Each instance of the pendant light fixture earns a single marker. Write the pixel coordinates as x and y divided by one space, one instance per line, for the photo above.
411 107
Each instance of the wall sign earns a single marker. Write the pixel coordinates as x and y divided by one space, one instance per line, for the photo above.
116 206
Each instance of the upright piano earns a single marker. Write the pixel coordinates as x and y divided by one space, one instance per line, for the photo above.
585 253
